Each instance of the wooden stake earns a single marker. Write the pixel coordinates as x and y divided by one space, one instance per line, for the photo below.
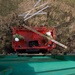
32 9
47 37
36 13
37 3
36 8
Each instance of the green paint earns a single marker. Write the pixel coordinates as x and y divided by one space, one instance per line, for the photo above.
37 65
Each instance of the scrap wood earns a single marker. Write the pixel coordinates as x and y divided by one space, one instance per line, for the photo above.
37 3
31 14
32 9
36 13
37 7
47 37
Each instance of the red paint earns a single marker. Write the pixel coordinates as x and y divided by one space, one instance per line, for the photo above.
28 35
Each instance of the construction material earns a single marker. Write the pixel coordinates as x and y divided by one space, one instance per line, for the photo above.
47 37
36 13
25 19
28 41
37 3
41 13
32 9
35 8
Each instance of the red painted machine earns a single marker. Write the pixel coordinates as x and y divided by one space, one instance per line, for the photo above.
28 41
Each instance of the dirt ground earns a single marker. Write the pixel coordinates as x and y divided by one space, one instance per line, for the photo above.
60 14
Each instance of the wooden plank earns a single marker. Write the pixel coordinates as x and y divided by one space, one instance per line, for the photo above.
36 13
36 8
47 37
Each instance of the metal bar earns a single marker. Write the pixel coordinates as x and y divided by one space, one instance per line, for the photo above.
36 13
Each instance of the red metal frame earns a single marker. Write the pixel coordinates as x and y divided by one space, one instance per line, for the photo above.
31 36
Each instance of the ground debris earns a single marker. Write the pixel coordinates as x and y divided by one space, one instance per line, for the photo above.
59 15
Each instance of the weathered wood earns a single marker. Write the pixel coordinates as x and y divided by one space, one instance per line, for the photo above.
47 37
37 3
41 13
36 8
36 13
32 9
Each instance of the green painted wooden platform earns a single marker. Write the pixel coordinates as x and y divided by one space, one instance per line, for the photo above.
37 65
